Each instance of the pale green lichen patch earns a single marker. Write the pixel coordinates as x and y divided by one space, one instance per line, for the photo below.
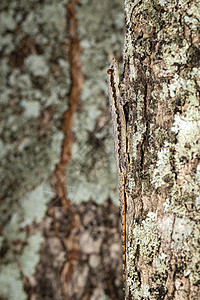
187 129
11 231
173 131
8 21
11 286
35 82
162 2
148 237
132 280
161 265
163 167
186 126
197 202
191 244
128 7
144 238
92 172
142 293
173 55
50 16
182 229
30 256
31 209
33 205
31 108
165 227
36 65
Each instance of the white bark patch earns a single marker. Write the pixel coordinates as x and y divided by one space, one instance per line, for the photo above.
163 167
188 132
182 229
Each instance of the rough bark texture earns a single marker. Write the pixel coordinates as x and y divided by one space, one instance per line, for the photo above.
161 86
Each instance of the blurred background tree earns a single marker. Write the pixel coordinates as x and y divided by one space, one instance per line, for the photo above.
60 233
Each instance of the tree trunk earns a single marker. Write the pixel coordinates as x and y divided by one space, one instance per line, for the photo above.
50 247
160 89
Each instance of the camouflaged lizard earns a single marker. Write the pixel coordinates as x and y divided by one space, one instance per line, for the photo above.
120 144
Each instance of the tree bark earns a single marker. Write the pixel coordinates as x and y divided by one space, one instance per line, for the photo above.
50 247
160 86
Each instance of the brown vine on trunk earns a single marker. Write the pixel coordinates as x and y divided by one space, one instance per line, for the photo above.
59 176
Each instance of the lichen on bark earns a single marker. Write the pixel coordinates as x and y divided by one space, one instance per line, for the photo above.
33 92
92 173
161 85
35 85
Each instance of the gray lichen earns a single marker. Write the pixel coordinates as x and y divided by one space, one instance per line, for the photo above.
92 173
35 83
33 91
145 239
173 138
11 286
